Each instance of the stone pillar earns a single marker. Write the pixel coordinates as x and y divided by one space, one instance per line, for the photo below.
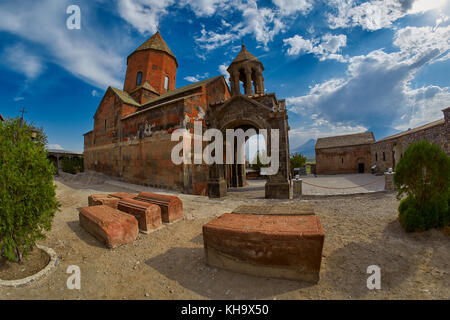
234 81
389 181
248 82
259 82
298 187
216 186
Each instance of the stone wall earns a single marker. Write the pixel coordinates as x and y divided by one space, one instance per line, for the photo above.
137 146
343 159
387 153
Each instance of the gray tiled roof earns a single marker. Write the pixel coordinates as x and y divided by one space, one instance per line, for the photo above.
345 140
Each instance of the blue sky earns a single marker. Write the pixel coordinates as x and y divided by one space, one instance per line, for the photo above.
344 66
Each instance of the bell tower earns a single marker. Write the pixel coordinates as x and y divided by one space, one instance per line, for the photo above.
152 65
246 68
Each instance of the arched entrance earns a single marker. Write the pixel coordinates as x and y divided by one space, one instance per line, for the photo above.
251 117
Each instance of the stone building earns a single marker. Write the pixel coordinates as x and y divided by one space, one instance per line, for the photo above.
387 152
131 139
344 154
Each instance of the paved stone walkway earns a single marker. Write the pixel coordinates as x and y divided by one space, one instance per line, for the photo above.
329 185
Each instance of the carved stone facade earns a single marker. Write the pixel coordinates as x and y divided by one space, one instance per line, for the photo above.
132 131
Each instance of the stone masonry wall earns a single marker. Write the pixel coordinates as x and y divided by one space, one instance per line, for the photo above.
342 159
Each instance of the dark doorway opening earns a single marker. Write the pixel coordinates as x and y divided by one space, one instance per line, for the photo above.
360 167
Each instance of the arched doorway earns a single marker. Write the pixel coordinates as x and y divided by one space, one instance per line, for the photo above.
248 114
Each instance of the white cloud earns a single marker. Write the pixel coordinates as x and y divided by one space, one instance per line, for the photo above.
144 15
210 40
320 129
223 70
376 14
289 7
377 87
205 8
18 59
95 94
196 78
325 48
54 146
87 55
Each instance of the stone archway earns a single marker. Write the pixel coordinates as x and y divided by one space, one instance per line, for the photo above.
248 112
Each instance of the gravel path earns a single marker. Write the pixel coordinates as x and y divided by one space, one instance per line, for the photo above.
169 264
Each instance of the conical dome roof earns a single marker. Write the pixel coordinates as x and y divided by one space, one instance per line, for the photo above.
156 42
244 55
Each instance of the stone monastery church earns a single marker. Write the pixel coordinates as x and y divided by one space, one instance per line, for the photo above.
131 139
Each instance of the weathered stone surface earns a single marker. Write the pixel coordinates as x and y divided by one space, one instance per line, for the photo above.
278 190
147 214
109 225
103 199
171 206
122 195
281 246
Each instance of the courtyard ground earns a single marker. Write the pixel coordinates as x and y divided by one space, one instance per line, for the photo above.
360 230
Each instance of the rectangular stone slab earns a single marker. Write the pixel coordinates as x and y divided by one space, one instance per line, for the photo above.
110 226
103 199
147 214
171 206
122 195
276 210
279 246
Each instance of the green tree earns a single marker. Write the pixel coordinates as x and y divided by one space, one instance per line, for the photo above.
72 164
27 198
297 161
258 159
423 175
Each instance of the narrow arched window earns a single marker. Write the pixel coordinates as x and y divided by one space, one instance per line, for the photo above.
166 83
139 78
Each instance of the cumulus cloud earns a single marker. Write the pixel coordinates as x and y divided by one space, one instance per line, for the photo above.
197 77
263 23
320 128
18 59
377 87
87 55
325 47
289 7
376 14
144 15
205 8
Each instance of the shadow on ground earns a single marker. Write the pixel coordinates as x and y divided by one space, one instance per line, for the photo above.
84 235
187 266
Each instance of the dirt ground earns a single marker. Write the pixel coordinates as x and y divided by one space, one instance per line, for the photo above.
169 264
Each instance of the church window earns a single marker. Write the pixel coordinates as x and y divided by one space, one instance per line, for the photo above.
376 156
384 156
166 83
139 78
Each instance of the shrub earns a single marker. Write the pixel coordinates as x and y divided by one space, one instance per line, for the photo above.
297 161
27 200
423 175
72 165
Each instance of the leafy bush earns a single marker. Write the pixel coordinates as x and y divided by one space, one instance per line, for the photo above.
423 174
72 165
297 161
27 198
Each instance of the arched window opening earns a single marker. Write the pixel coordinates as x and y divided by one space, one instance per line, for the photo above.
139 78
